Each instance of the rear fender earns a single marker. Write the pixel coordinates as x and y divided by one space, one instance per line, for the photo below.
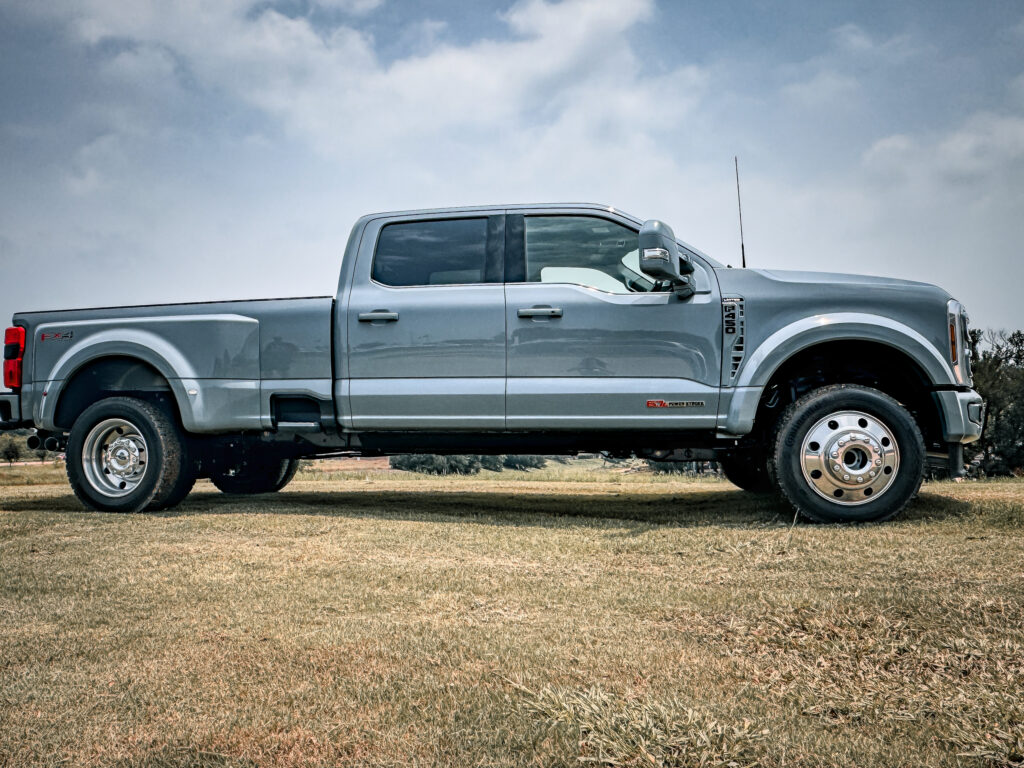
213 375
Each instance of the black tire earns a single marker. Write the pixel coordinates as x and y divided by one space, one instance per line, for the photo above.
748 470
290 470
176 494
263 475
834 436
157 467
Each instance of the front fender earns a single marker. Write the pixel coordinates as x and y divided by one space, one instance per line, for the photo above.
763 362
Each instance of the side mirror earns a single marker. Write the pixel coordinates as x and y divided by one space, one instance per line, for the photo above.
661 258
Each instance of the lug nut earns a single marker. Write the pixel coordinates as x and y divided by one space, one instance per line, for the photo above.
860 479
835 454
878 462
846 477
872 473
838 468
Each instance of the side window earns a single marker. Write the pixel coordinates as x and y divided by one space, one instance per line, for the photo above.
583 250
437 252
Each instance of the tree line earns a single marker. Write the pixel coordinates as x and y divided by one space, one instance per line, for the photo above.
997 359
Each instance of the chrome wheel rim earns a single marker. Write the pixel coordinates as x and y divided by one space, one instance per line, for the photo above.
850 458
115 457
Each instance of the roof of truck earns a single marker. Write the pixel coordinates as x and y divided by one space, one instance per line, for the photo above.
509 207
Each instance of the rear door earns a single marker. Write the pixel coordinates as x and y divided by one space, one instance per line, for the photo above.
426 324
590 345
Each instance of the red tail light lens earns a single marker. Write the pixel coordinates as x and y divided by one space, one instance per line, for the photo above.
14 351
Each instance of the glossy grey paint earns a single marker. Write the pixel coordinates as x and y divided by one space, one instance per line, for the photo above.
215 356
607 355
790 311
441 364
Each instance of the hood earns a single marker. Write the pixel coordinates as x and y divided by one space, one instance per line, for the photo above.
839 278
869 289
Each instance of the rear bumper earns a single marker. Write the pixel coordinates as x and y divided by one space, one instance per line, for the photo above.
10 411
963 415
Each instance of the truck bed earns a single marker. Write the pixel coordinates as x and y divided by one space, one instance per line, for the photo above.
233 355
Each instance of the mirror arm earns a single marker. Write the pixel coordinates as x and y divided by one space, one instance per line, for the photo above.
684 290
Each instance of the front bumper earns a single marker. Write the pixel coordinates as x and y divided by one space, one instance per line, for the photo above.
963 415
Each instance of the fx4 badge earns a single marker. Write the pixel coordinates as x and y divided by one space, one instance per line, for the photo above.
57 336
675 403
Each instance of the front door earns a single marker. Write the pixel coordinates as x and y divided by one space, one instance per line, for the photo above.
426 325
591 345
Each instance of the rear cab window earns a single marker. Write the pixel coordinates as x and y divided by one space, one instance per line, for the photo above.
462 251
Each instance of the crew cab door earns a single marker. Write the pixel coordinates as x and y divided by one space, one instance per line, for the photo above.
591 345
426 324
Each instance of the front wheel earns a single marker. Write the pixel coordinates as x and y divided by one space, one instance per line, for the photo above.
127 455
847 453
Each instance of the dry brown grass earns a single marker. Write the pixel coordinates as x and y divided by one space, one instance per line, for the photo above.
35 473
380 618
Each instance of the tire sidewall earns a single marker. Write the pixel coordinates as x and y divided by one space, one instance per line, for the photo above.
807 412
130 410
262 474
747 470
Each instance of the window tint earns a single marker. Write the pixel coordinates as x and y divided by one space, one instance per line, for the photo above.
583 250
439 252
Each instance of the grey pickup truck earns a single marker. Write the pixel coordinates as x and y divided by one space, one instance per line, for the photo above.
550 329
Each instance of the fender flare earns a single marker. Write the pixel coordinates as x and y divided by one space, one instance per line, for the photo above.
774 351
144 346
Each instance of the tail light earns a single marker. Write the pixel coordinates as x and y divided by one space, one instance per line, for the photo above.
954 347
14 351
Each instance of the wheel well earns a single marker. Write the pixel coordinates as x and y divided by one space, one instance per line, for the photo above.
868 363
106 377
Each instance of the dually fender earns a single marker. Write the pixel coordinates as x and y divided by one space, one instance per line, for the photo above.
205 403
760 365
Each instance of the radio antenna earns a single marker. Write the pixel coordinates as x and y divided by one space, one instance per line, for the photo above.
739 204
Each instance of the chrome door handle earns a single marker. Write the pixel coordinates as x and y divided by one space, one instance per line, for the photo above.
540 312
378 314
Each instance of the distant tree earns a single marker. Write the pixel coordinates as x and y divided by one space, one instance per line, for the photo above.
492 463
42 454
670 467
525 461
683 467
10 451
998 365
433 464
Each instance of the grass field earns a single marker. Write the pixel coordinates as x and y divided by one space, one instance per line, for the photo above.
380 618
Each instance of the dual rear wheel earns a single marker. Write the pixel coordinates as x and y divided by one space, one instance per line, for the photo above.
130 455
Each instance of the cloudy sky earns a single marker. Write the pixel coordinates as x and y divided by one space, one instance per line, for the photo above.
156 151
